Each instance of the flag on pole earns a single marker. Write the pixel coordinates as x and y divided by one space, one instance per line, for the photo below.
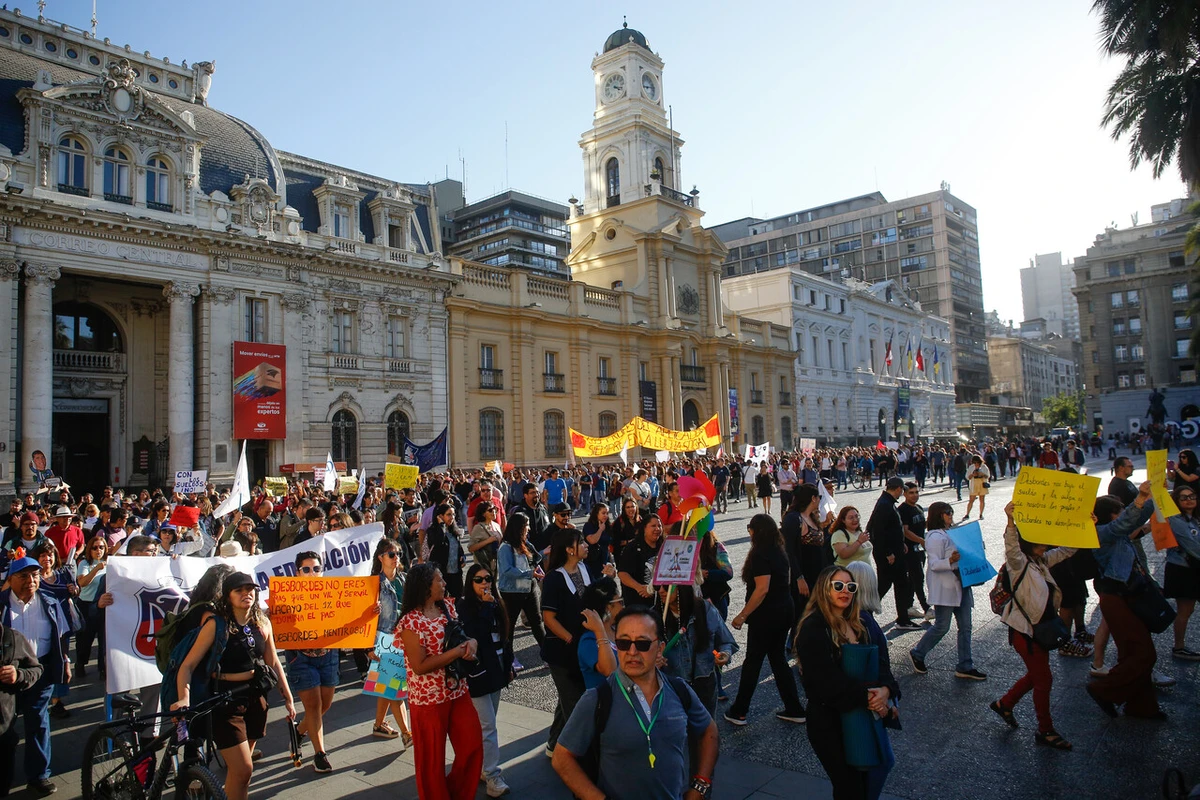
920 360
625 453
239 495
721 451
827 504
331 476
909 356
936 364
887 357
362 489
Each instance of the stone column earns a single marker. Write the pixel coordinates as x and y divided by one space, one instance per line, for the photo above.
295 305
181 365
37 368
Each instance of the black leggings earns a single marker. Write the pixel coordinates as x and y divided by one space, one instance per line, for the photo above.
514 604
93 631
766 641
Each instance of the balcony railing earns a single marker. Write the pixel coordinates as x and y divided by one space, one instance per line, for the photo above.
785 399
554 383
80 191
160 206
608 386
691 373
491 378
399 365
86 361
118 198
345 362
756 397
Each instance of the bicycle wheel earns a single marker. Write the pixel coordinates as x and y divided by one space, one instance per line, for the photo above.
107 772
197 783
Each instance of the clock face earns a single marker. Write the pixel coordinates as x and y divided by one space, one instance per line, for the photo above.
649 88
614 86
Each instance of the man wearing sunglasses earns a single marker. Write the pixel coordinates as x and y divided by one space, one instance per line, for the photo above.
313 674
643 749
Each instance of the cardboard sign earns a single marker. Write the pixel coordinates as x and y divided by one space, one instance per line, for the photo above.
1156 473
400 476
347 486
190 481
276 487
185 517
1160 530
311 613
677 561
973 565
386 677
1055 508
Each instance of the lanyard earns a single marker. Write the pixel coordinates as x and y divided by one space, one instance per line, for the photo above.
645 728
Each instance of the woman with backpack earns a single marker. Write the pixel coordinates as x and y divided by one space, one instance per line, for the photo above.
1035 598
234 643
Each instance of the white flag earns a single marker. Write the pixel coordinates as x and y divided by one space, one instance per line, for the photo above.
362 489
625 453
701 451
721 451
331 476
239 495
662 456
827 504
758 452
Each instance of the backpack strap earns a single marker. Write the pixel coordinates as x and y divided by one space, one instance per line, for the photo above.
682 691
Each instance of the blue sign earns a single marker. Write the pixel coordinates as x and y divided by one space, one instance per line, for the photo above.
972 565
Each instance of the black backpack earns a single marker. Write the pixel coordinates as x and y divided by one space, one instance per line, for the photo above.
590 761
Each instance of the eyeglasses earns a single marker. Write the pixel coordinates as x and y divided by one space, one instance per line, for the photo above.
482 579
643 645
392 554
1187 497
311 570
843 586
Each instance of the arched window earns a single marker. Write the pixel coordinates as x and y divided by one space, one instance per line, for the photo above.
491 434
608 423
661 169
785 432
116 175
612 177
158 183
691 415
72 165
758 431
81 326
554 430
344 441
397 430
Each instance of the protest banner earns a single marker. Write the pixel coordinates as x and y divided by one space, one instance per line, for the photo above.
1055 508
145 590
190 481
649 435
276 487
1156 473
400 476
972 565
677 561
259 391
386 678
329 611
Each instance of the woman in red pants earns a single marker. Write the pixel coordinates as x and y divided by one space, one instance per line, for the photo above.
1035 597
440 705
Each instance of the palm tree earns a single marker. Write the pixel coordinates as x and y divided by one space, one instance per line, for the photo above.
1155 100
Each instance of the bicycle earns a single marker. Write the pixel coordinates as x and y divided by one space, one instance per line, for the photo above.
860 479
116 766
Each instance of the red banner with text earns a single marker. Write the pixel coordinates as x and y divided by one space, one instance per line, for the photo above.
259 391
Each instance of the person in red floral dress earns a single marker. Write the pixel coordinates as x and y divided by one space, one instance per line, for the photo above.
440 705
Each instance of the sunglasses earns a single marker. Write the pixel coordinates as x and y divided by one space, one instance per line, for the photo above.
311 570
392 554
1187 497
643 645
843 586
481 579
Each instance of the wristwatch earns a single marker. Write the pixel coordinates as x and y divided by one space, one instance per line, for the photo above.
701 785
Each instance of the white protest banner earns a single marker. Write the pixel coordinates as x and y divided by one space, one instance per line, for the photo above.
190 481
146 589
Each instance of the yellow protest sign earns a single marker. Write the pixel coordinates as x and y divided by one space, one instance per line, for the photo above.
276 487
347 485
647 434
311 613
1055 508
1156 473
400 476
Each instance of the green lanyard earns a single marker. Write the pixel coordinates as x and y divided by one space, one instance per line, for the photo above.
645 728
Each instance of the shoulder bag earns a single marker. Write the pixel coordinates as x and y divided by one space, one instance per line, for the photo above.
1145 599
1050 632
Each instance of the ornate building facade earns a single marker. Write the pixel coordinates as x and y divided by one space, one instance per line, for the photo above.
641 329
143 232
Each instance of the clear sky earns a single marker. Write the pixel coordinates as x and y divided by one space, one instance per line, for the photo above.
783 106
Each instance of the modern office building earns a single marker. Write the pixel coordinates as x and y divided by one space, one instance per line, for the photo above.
928 244
511 229
1025 372
1134 288
1046 294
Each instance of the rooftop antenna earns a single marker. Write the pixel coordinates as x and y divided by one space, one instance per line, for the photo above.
93 19
463 162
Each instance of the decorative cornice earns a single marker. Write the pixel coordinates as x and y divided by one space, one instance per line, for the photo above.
181 291
38 272
295 302
9 270
218 294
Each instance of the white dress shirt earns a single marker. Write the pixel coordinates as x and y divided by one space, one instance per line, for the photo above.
30 620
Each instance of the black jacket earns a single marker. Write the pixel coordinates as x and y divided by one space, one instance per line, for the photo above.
15 650
480 621
436 539
539 524
886 529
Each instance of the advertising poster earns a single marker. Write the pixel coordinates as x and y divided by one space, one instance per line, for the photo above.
733 412
259 391
648 390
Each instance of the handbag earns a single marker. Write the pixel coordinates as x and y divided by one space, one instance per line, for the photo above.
1050 632
1145 599
454 635
265 679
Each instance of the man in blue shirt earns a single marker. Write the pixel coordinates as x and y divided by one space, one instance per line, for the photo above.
643 749
720 480
554 490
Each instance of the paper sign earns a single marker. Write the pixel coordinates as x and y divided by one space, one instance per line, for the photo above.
1160 530
677 561
386 678
190 481
807 446
185 517
276 487
973 565
1156 473
311 613
319 476
347 486
1055 508
400 476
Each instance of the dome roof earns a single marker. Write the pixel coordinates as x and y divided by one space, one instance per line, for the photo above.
623 36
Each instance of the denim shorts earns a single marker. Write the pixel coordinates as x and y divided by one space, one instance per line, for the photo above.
309 672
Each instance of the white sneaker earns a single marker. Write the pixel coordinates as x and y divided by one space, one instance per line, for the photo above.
1160 680
915 612
1098 672
496 787
931 614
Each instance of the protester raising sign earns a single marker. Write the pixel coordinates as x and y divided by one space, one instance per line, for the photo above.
1055 508
313 613
190 481
400 476
145 590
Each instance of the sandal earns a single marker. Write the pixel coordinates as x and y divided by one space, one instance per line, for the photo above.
406 738
1076 650
1006 714
1052 739
384 731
